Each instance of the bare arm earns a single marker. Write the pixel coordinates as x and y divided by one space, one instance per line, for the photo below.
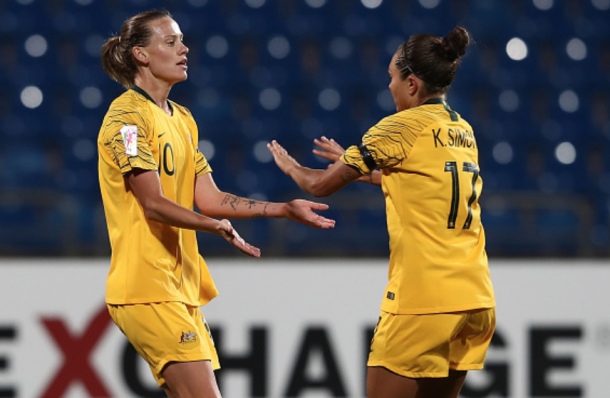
373 178
332 151
315 182
213 202
146 186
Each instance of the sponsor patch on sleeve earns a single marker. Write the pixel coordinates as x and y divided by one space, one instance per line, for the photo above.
130 139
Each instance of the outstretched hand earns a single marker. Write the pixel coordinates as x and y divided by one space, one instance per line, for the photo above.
230 234
283 160
303 211
299 210
331 150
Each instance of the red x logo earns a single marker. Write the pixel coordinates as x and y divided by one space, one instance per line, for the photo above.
76 350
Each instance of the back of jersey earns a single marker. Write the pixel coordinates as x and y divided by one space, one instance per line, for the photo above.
429 159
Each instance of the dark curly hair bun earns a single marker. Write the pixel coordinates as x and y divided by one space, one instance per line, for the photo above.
453 46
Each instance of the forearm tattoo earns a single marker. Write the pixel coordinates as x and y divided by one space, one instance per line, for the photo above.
262 213
234 202
348 176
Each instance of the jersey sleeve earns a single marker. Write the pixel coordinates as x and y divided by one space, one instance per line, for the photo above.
201 164
126 140
387 144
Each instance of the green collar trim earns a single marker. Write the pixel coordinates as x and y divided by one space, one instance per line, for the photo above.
148 97
434 101
440 101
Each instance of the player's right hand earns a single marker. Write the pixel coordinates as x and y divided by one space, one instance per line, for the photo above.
303 211
282 158
331 150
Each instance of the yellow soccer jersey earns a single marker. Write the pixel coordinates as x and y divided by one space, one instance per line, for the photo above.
430 178
151 261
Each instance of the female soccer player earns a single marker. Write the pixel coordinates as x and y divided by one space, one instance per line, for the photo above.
151 174
437 314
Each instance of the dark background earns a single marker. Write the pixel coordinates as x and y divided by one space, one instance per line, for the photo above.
292 71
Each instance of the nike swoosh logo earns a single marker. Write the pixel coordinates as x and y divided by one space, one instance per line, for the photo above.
161 135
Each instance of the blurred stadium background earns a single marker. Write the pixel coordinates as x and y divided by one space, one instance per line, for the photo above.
535 87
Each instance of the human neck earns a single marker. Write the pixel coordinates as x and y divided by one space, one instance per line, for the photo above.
427 98
157 90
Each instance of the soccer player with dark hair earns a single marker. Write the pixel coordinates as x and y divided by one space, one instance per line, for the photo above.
438 310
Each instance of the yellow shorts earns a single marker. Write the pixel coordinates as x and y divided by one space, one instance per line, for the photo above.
166 332
429 345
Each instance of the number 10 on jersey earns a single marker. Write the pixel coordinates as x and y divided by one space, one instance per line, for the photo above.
452 168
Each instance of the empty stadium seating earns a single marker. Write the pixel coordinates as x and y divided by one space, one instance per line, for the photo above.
294 70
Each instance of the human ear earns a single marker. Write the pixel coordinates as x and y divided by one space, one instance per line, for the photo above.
413 85
140 54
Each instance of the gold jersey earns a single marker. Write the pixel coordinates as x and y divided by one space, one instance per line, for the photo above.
430 178
151 261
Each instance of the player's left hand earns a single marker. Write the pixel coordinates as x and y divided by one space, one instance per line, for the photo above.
283 160
227 231
303 211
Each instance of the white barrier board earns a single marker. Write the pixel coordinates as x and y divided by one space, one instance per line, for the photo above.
299 328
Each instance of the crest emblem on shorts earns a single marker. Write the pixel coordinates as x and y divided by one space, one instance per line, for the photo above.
188 337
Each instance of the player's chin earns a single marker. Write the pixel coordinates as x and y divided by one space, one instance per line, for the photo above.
176 79
180 77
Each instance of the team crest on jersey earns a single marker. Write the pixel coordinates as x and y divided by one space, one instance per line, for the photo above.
130 139
188 337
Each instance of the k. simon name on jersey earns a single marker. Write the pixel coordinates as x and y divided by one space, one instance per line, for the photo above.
453 138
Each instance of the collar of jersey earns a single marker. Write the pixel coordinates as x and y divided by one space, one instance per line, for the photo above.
148 97
440 101
434 101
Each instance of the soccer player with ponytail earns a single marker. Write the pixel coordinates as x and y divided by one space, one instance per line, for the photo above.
438 310
151 174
